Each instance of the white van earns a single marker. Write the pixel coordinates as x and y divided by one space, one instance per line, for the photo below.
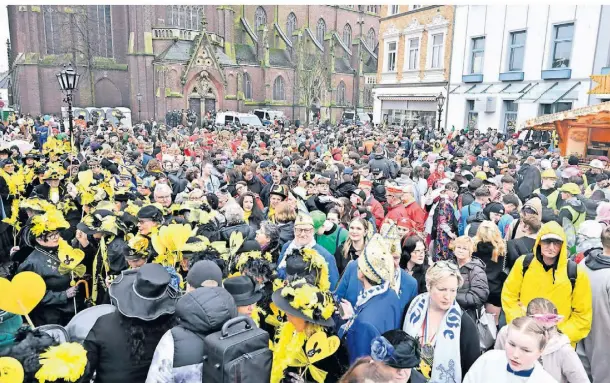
268 116
239 119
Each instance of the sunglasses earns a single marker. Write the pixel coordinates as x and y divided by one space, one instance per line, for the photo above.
446 265
555 242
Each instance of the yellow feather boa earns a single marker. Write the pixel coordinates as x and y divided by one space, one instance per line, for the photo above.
289 352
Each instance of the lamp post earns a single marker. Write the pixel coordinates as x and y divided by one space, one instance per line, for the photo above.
440 100
139 98
68 82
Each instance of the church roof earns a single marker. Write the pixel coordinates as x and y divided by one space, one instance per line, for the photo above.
342 65
279 57
179 51
245 54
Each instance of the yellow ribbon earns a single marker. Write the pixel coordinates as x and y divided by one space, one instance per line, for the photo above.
79 270
301 360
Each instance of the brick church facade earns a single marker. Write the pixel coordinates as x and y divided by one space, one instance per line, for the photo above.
155 58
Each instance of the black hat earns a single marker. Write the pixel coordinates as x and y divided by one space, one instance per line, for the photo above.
316 312
397 349
360 194
151 212
144 293
280 190
93 223
494 207
243 289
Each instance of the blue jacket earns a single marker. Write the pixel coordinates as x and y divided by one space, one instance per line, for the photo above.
466 212
380 314
333 272
350 287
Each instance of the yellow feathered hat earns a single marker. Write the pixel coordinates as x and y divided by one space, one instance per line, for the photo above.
52 220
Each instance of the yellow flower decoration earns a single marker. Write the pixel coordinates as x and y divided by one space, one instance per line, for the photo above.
52 220
307 299
138 243
66 361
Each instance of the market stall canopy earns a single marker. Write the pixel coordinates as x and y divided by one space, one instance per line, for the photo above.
589 115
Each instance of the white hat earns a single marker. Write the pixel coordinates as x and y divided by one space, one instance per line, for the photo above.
597 164
590 229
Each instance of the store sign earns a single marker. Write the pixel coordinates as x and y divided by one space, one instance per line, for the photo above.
604 84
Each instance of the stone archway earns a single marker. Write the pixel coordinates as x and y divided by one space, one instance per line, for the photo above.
205 86
107 94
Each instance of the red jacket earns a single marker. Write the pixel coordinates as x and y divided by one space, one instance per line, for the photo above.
397 212
416 214
376 210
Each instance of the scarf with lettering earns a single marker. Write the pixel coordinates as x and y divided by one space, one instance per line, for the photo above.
446 367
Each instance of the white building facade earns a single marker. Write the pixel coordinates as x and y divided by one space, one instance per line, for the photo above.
413 65
512 63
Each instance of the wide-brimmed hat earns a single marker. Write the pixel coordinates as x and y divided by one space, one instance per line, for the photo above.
144 293
397 349
280 190
99 221
307 302
243 289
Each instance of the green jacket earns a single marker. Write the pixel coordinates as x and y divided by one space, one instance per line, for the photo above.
332 239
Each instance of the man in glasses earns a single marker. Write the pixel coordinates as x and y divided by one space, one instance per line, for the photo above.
304 238
548 273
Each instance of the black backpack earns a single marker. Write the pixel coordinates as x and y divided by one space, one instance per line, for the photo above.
572 268
238 353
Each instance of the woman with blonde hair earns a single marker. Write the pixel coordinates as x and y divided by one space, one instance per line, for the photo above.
526 342
491 249
448 336
473 293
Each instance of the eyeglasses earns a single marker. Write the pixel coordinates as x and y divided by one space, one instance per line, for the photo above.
552 242
446 265
164 196
303 231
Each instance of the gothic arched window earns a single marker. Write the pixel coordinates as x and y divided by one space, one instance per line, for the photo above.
347 35
247 86
291 25
371 39
260 17
341 93
321 30
278 88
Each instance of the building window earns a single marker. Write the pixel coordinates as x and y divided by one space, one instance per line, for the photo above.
341 93
371 8
291 25
347 35
516 51
562 45
391 57
100 30
321 31
247 86
52 19
260 17
413 52
478 51
370 80
555 108
371 39
183 16
510 115
278 88
394 9
414 7
437 51
472 117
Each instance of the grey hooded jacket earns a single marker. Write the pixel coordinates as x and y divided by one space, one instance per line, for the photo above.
179 354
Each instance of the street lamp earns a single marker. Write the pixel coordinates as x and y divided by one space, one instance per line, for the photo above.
68 82
139 98
440 100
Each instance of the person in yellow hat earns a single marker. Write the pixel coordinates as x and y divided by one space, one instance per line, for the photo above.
573 208
548 189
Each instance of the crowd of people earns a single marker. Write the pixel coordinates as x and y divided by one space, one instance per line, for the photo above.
347 253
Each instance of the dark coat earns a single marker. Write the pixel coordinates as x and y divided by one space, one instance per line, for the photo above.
494 270
529 180
42 191
255 185
55 307
518 247
475 290
286 233
109 353
244 228
344 189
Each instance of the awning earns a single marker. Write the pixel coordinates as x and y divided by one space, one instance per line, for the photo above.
497 88
564 91
535 92
462 89
479 88
407 98
571 114
517 88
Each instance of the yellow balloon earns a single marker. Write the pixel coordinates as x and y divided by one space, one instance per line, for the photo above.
22 294
320 346
11 371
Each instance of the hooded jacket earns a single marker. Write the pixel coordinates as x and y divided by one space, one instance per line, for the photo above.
179 354
473 293
593 349
530 180
553 284
379 161
574 210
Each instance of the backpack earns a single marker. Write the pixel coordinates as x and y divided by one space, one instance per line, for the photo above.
238 353
572 268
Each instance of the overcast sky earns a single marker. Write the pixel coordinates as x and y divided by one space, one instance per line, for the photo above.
3 37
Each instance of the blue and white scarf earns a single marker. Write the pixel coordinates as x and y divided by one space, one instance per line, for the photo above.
447 367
